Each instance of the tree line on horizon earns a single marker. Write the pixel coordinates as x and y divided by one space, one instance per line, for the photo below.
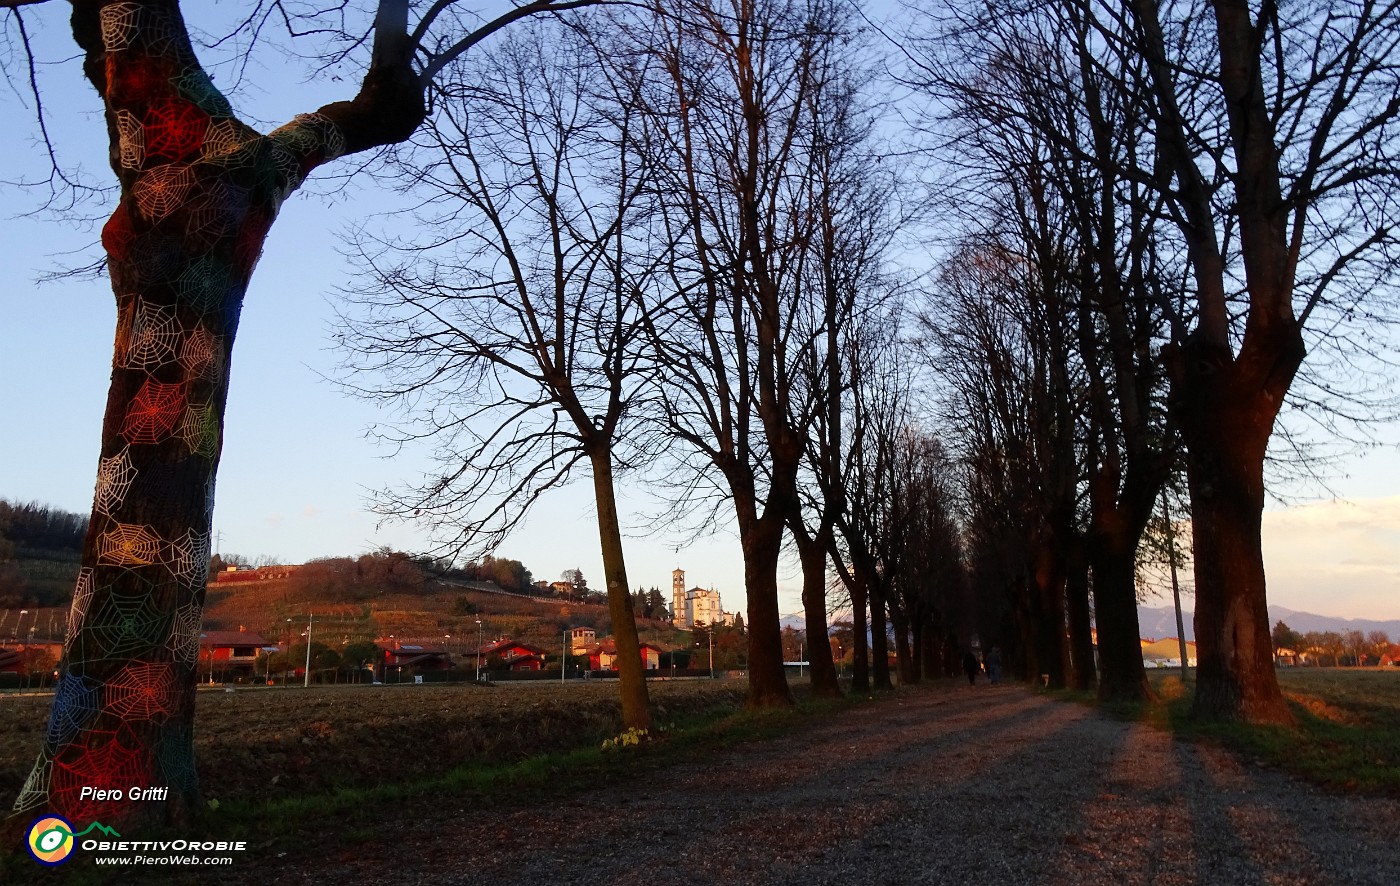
1356 647
690 243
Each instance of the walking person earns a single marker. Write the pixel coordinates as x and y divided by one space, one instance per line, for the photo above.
972 667
994 665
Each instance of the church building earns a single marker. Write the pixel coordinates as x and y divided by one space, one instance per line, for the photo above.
696 606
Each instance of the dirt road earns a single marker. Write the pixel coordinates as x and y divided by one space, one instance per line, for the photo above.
948 784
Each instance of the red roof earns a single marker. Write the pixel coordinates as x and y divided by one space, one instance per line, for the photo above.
504 645
232 638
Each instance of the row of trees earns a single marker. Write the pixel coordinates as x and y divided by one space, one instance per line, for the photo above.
37 532
1355 648
1165 206
35 525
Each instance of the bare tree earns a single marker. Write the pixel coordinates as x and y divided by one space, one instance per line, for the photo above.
865 552
509 333
1378 644
1276 128
999 329
731 128
1045 129
853 200
198 190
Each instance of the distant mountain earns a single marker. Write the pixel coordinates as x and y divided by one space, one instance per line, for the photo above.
1307 621
1159 622
1156 623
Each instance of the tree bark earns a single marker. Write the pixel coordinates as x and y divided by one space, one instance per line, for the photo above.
1083 671
1047 591
762 543
900 621
812 552
1226 421
636 706
860 634
1122 677
879 636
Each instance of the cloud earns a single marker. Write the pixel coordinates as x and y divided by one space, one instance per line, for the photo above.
1339 557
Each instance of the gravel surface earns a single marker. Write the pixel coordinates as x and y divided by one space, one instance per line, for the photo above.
943 784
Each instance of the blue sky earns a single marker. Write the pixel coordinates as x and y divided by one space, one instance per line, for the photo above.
296 467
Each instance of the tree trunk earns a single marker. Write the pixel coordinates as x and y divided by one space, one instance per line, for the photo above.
198 192
860 634
632 684
813 555
1047 588
1083 672
1226 426
903 652
1122 677
879 636
762 542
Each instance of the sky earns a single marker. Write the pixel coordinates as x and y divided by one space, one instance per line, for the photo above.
296 467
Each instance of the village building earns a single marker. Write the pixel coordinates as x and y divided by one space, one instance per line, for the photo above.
580 639
511 655
602 656
232 654
416 657
1166 653
696 606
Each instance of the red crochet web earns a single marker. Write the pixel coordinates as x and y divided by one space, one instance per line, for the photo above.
174 131
96 760
154 413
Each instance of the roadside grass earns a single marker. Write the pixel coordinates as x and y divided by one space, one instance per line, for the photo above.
287 821
1347 735
694 720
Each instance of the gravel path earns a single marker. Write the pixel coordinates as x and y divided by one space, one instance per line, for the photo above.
946 784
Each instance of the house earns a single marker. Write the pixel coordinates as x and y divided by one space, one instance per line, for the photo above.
1166 653
651 657
238 574
530 661
231 653
602 656
1391 657
580 639
415 655
511 654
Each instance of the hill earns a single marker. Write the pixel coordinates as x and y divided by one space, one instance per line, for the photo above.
435 611
39 549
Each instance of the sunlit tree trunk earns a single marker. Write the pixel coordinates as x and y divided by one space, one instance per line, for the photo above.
761 539
636 709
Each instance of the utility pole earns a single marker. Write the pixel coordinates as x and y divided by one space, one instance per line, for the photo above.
306 676
1176 589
